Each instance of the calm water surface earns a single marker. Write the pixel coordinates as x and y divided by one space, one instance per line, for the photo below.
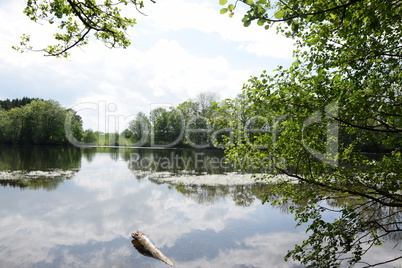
66 207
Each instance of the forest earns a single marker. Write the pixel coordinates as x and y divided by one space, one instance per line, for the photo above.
206 122
201 122
32 121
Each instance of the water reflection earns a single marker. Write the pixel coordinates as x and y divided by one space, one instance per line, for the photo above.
39 158
177 161
87 220
36 167
242 195
47 183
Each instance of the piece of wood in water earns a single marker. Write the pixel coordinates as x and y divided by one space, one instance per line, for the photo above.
140 248
146 248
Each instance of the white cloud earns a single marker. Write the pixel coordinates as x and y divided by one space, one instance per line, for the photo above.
163 71
182 72
205 17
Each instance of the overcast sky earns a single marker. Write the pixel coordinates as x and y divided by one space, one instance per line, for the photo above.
180 49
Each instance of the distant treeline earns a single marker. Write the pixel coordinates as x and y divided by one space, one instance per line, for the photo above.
188 124
14 103
207 122
36 121
202 122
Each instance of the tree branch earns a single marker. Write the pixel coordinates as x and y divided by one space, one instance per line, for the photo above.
71 46
340 189
385 262
307 14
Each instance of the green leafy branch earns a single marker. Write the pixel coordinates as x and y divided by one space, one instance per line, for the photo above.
76 21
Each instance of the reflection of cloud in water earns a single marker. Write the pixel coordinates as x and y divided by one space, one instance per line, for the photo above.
259 250
268 250
100 258
35 179
87 222
228 179
103 207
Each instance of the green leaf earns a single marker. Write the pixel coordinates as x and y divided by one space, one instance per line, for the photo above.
223 2
260 22
224 10
279 14
336 78
246 23
295 27
314 40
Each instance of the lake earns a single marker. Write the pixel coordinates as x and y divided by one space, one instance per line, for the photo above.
70 207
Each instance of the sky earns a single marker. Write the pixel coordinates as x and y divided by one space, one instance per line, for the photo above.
180 49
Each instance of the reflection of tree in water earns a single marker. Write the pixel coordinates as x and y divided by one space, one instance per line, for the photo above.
358 223
39 157
46 183
175 161
242 195
114 153
89 154
351 227
38 167
245 195
205 195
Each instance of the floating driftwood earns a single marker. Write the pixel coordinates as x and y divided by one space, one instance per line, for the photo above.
144 246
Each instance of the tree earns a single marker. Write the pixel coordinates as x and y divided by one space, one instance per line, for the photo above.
38 122
45 123
198 124
16 123
189 109
89 136
342 94
233 119
76 127
3 125
77 20
154 114
205 101
140 130
8 104
168 128
187 124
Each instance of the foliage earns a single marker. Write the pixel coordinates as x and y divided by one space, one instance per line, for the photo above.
140 129
77 20
8 104
188 124
38 122
357 224
341 96
23 162
89 136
